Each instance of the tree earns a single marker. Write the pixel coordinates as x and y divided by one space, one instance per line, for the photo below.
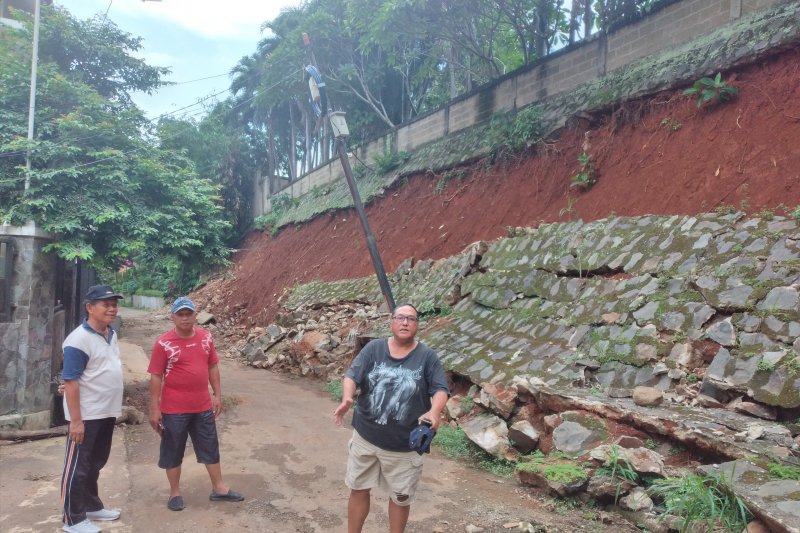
97 53
98 182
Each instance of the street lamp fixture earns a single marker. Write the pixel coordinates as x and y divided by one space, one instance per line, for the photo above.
338 124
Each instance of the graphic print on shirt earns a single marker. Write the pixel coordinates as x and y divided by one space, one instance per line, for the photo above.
389 392
207 342
173 354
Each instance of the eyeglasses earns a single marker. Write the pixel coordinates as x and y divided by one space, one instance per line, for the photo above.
404 318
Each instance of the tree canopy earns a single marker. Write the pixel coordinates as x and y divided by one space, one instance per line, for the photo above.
104 181
387 61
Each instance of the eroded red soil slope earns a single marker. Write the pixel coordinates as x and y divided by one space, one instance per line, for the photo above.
659 155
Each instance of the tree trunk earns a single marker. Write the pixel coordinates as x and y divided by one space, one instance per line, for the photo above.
33 434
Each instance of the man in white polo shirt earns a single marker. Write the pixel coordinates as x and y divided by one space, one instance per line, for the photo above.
92 402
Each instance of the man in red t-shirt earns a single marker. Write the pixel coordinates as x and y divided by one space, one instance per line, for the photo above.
183 363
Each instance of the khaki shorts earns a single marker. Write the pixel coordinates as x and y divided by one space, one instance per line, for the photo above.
369 466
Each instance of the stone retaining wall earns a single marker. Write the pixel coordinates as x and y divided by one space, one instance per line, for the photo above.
616 303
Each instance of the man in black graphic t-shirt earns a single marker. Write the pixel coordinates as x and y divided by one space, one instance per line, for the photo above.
402 384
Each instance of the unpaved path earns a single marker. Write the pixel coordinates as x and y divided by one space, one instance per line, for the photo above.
281 449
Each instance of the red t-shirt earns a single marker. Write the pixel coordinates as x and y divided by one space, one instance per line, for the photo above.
184 364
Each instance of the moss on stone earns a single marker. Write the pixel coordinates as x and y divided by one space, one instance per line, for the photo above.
564 472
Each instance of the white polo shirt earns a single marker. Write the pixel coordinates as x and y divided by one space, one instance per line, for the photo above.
95 362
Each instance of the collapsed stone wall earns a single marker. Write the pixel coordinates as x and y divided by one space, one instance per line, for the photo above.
616 303
683 328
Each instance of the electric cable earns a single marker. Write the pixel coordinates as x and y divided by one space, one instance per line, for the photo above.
89 163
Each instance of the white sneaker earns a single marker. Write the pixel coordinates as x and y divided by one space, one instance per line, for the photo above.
103 514
82 527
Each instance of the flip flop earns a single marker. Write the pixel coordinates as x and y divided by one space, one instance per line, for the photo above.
229 497
175 503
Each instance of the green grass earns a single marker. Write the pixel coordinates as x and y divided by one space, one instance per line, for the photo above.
455 444
781 471
334 388
619 470
566 473
701 499
497 466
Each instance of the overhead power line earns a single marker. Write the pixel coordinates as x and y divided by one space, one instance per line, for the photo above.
122 154
172 114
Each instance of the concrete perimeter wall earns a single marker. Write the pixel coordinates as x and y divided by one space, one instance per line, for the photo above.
558 73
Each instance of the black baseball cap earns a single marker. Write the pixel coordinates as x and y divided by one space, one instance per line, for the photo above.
101 292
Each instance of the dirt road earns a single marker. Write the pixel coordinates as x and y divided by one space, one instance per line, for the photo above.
281 449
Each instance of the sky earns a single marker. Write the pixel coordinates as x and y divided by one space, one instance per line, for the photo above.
194 38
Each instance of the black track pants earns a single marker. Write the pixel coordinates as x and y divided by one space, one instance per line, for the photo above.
82 465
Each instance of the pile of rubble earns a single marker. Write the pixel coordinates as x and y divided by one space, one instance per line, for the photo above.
648 432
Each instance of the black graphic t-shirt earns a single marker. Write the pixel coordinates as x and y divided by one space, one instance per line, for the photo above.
394 392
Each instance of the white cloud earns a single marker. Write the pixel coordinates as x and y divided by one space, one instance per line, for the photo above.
159 59
232 19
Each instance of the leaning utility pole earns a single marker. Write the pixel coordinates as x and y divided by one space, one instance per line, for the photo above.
319 101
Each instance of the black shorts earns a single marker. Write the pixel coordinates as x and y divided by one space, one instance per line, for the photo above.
203 430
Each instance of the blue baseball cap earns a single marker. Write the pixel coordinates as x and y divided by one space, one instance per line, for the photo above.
420 439
182 302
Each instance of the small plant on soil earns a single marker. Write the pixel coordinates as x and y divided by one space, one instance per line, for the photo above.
566 505
569 210
446 176
651 444
619 470
767 214
389 161
564 473
696 499
497 466
708 89
724 209
453 442
765 366
671 123
585 177
334 388
675 450
510 133
795 213
467 403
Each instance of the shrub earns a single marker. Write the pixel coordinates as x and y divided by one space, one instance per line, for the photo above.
708 89
282 202
509 133
696 499
389 161
585 177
